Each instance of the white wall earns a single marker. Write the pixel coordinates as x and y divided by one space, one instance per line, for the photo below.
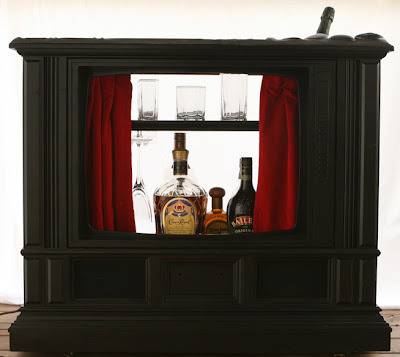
198 19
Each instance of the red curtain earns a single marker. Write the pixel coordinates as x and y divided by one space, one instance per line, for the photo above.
108 153
276 197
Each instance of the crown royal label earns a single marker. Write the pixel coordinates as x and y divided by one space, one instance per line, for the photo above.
179 216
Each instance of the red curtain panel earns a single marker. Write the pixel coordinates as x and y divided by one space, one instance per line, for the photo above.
108 153
277 190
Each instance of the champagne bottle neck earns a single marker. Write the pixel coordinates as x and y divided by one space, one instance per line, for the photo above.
326 21
324 26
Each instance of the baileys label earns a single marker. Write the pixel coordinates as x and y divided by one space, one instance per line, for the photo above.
242 224
179 216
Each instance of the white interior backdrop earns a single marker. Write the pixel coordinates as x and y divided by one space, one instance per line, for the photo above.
214 157
192 19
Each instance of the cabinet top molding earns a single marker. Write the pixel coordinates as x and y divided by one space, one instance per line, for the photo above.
363 45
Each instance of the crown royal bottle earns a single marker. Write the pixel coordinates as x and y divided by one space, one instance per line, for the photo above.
180 205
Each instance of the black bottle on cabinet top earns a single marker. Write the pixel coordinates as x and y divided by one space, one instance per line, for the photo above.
324 25
241 206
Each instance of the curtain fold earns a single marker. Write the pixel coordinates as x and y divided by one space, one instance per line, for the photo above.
108 153
277 190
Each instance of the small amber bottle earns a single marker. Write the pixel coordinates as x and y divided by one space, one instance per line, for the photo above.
216 221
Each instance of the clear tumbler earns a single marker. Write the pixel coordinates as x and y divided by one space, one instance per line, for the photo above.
233 96
190 102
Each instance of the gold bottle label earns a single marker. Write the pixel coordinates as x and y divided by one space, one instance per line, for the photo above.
179 216
217 226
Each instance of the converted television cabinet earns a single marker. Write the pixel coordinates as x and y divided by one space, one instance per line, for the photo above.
309 290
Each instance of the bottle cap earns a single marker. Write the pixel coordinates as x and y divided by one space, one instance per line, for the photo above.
328 13
180 153
246 162
217 192
180 141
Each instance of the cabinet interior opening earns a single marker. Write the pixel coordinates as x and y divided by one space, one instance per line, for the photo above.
214 151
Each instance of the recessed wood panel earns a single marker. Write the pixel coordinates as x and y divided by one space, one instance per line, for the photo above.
321 146
367 282
33 281
369 160
33 152
293 279
55 281
202 280
109 279
345 281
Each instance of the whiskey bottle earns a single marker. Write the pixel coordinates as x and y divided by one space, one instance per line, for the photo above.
241 206
216 221
180 205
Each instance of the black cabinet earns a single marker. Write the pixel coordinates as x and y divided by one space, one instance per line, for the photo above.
314 286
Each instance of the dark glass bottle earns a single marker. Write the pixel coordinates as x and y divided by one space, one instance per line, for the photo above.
325 24
241 206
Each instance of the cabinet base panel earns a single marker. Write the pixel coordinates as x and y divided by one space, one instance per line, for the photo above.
201 334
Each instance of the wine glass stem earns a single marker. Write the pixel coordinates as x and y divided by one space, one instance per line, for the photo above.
139 179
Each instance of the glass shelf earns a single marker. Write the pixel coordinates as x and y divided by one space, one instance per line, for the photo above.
187 125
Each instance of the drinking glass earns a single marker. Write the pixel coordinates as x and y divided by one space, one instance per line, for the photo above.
148 99
190 102
233 96
148 110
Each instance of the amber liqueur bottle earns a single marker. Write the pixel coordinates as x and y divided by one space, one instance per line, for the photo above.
180 204
216 221
241 206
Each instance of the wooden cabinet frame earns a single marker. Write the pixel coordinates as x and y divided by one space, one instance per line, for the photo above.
314 286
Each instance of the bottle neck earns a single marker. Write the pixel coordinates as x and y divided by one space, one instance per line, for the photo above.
324 26
326 21
246 176
180 167
246 183
216 203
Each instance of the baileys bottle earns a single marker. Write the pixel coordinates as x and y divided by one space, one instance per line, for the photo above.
241 206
